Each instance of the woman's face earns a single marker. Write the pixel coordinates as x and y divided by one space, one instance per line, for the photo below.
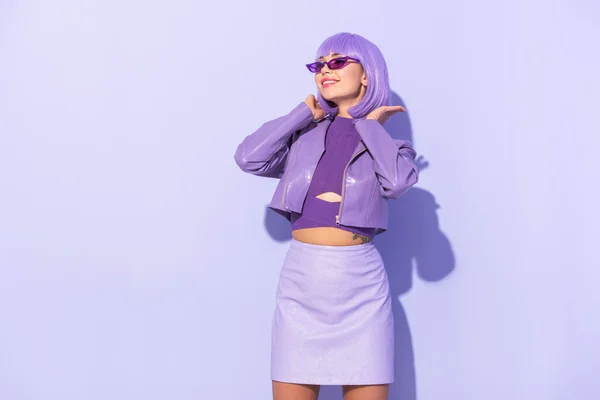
345 86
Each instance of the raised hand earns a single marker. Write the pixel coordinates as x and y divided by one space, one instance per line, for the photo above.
383 113
316 109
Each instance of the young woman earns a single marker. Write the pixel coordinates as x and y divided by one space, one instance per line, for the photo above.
337 167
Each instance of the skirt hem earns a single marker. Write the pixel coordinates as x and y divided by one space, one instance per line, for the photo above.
333 382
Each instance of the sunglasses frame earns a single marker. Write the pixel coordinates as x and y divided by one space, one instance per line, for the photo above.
315 69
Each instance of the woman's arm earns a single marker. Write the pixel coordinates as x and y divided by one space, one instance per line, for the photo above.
264 152
392 159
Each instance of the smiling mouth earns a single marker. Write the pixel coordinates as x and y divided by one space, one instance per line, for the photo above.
328 83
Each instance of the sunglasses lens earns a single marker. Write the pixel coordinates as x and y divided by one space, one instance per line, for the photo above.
338 63
315 67
335 63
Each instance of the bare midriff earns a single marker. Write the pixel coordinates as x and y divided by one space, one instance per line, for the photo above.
329 236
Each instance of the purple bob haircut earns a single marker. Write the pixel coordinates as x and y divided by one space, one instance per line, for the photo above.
371 59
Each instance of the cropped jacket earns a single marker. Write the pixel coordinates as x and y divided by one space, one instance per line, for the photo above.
290 147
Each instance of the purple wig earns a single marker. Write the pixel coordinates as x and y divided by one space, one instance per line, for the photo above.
378 88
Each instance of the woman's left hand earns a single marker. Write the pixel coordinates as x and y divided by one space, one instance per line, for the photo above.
382 113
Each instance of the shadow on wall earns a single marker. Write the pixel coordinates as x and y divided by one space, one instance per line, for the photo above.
413 236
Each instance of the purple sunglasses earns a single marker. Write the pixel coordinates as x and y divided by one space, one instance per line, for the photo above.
334 63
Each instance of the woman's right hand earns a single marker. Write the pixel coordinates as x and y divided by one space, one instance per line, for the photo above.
315 107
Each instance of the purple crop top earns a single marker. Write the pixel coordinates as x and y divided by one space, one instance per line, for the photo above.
340 141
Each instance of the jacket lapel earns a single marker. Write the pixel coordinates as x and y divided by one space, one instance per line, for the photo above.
315 137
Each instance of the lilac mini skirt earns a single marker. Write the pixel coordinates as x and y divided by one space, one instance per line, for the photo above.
333 321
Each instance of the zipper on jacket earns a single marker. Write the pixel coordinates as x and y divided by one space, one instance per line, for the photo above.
338 216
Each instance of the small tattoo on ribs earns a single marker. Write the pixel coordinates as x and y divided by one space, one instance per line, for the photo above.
364 239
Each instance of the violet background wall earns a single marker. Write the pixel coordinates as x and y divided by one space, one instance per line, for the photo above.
137 261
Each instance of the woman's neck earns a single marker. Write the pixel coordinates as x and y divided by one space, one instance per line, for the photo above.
343 113
346 104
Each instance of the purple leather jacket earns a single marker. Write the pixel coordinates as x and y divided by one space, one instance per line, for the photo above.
289 148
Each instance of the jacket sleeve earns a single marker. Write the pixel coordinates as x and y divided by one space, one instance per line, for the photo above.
264 152
392 159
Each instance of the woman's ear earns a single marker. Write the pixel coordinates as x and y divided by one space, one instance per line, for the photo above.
364 81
